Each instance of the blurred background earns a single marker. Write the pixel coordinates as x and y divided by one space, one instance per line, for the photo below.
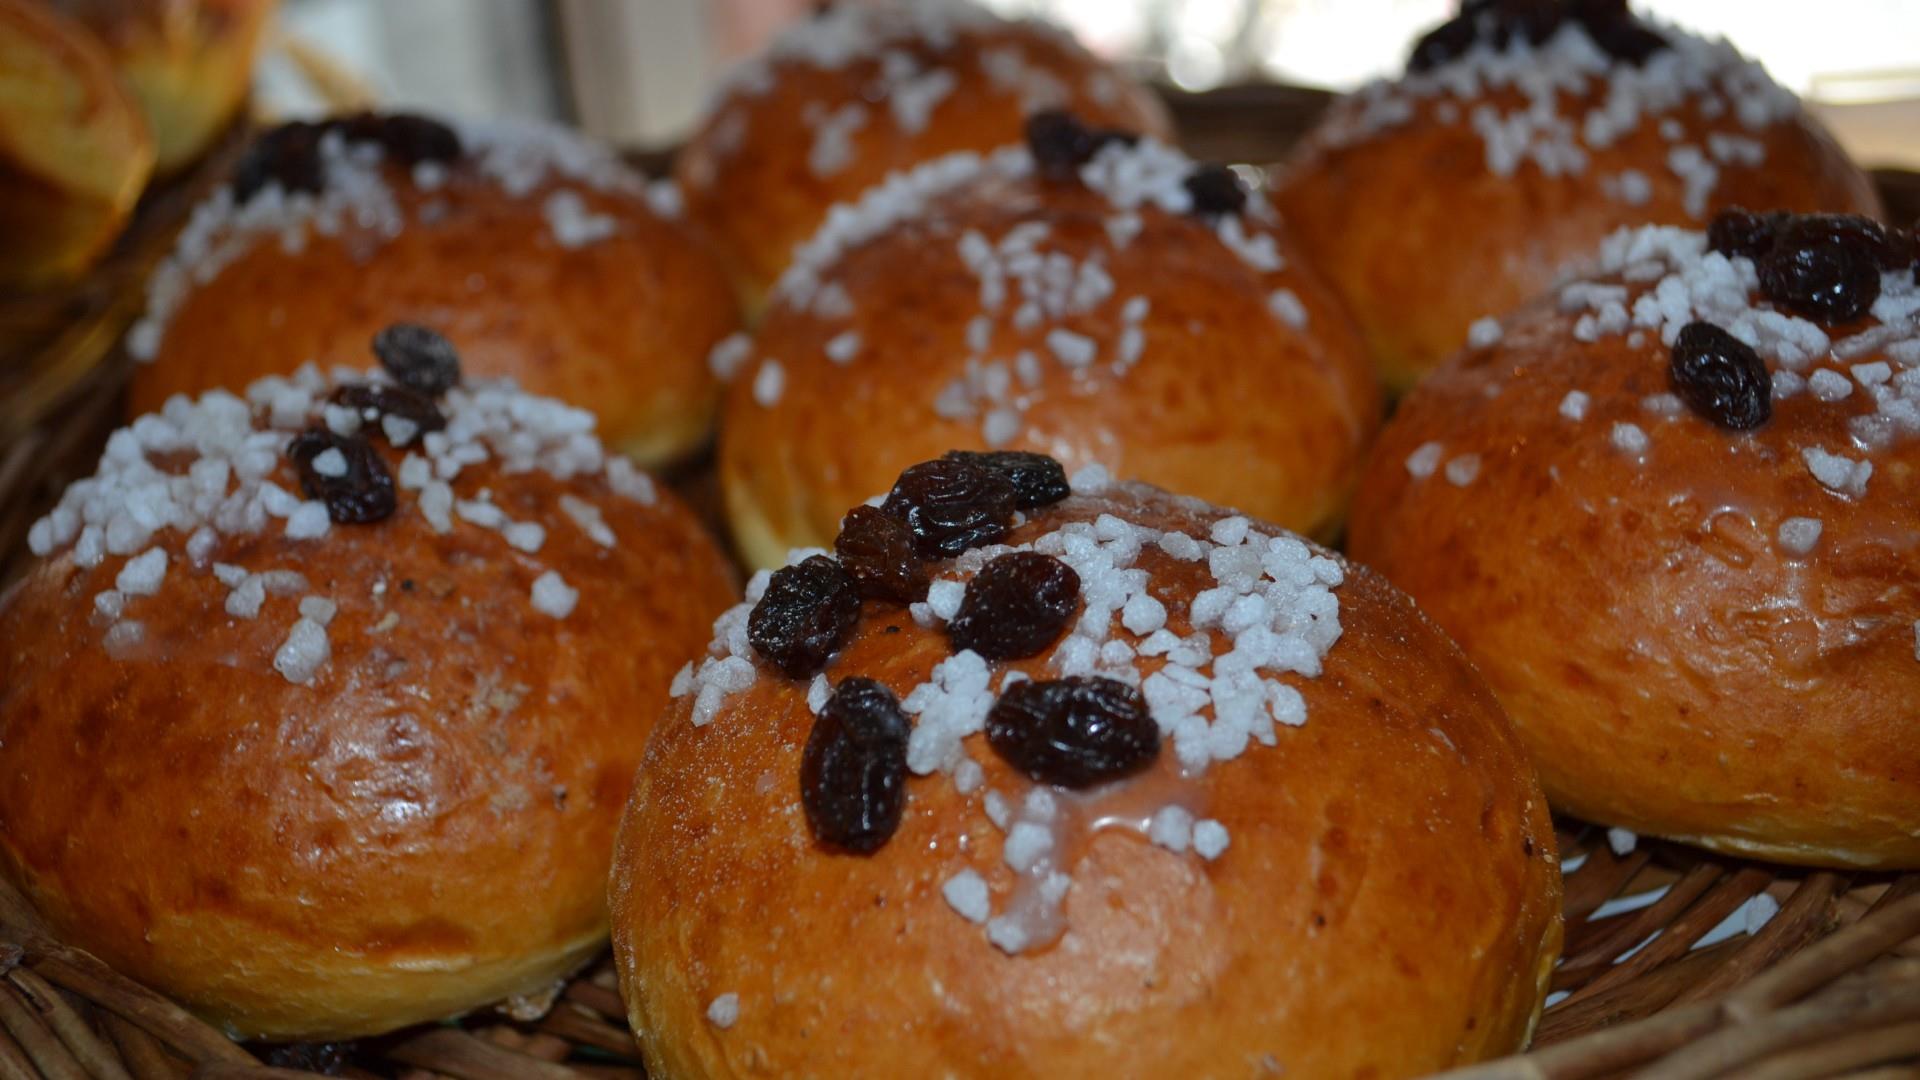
638 72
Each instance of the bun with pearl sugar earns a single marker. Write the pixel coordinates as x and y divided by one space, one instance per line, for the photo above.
862 90
1039 777
1672 513
1521 135
1086 293
541 256
319 711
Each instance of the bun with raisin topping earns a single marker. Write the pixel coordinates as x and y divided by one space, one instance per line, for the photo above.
1672 514
861 91
1088 294
319 714
541 256
1521 135
1181 795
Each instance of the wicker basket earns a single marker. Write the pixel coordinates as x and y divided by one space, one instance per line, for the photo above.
1661 977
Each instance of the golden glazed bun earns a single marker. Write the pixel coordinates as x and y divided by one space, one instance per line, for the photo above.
861 91
1104 313
1369 888
321 786
189 62
1703 633
541 256
1460 190
75 152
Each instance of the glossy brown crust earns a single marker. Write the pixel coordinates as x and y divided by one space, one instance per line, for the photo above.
424 830
1421 238
1389 904
1672 670
188 61
74 149
1227 400
621 326
746 173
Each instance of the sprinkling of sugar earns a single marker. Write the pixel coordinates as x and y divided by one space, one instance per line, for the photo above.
1798 535
123 637
1090 480
769 383
1424 460
304 652
142 574
966 893
1209 839
1171 827
1462 470
588 517
943 598
729 355
318 608
819 691
1574 405
1071 349
1837 472
572 224
843 347
553 596
1622 841
330 462
527 536
968 776
308 521
1628 438
1829 385
1286 306
724 1011
110 604
1484 333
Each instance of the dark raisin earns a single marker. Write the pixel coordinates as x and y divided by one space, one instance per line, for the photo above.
877 552
1627 39
326 1059
805 616
1443 43
1888 249
1016 606
1037 479
419 358
1075 732
1721 378
388 400
1216 191
288 155
1824 278
1738 231
362 493
853 773
951 505
411 139
1060 143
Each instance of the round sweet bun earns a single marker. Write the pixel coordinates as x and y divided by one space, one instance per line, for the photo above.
1372 892
542 257
1441 197
860 91
1706 634
975 303
320 787
75 152
189 62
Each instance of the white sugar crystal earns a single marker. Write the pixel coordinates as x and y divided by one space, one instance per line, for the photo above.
1000 427
1798 535
843 347
729 356
527 536
1027 842
553 596
588 517
966 892
436 505
330 462
308 521
1622 841
1171 827
944 596
318 608
142 574
1462 470
1073 350
770 383
1424 460
1484 333
1829 385
304 652
1574 405
1209 838
968 776
1872 374
819 691
245 599
572 224
1837 472
1286 306
123 638
1143 614
1628 438
110 604
398 429
1090 480
724 1011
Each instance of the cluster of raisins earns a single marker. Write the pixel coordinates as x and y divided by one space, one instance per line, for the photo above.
1824 267
1610 23
1060 144
290 154
1721 377
1070 731
426 366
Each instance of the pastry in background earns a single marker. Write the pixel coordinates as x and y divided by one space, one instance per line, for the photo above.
1087 294
1672 513
1524 132
859 91
319 712
539 254
75 151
